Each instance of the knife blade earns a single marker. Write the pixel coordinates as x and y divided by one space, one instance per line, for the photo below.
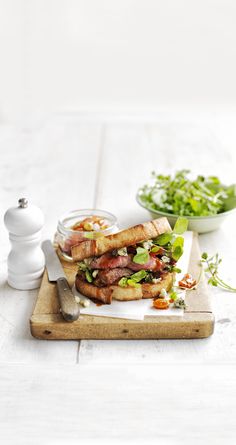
69 307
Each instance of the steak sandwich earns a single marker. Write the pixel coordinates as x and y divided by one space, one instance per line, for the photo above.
135 263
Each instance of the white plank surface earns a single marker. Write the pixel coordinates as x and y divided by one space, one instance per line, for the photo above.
55 167
131 390
147 404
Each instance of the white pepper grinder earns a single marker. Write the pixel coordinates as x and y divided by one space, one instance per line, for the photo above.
26 259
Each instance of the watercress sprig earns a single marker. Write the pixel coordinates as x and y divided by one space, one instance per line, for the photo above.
172 241
211 269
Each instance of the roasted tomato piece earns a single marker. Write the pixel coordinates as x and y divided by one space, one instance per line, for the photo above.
161 303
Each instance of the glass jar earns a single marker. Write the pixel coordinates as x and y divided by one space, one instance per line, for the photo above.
80 225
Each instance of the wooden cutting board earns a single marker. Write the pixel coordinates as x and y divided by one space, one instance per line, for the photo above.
197 322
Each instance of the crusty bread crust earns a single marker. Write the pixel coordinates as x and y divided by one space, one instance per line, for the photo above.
108 293
125 238
103 294
153 290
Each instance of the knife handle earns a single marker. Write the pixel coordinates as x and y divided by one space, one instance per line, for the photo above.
69 307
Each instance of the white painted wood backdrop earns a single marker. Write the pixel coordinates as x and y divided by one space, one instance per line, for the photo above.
121 55
58 392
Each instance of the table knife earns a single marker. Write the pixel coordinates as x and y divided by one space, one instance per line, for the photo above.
69 307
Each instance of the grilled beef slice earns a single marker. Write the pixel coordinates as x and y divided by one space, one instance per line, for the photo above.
110 276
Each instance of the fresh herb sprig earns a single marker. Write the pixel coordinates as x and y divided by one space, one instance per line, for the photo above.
180 195
172 241
211 269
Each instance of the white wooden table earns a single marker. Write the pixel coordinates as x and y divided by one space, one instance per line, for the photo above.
162 391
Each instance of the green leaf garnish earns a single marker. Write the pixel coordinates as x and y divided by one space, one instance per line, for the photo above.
178 248
155 249
82 266
142 256
163 239
214 179
133 280
180 226
173 295
229 203
138 276
88 276
175 269
231 191
123 282
132 283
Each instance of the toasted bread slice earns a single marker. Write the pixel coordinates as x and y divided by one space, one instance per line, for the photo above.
103 294
114 292
125 238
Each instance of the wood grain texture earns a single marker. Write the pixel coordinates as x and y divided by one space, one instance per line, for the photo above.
197 322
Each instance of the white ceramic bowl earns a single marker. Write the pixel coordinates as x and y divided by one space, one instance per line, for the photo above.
200 224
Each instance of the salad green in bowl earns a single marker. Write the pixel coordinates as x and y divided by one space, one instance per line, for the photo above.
204 201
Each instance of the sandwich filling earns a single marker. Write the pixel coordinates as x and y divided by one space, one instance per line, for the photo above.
145 262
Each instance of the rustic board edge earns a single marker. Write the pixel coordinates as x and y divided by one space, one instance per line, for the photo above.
191 325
